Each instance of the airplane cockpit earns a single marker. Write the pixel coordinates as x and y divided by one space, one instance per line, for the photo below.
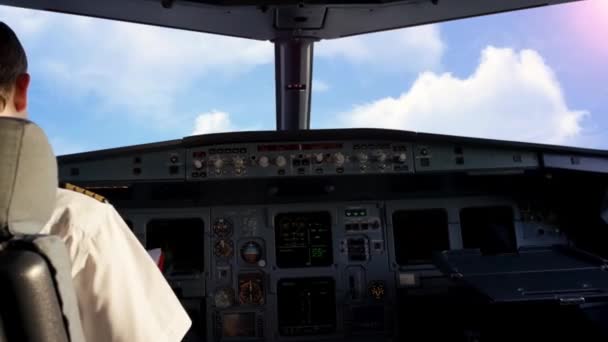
358 234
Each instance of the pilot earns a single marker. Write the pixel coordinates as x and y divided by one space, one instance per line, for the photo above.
122 295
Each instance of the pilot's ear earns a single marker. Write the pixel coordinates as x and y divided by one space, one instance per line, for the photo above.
21 88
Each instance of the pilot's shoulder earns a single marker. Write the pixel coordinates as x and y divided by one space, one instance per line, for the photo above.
81 212
80 200
83 191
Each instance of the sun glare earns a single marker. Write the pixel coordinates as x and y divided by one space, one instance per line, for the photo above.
590 22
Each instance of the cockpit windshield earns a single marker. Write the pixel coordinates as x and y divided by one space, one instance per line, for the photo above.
379 166
538 75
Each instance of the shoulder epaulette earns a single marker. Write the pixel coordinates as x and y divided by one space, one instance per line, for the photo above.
84 191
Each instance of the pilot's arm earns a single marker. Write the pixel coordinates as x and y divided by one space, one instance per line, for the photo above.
122 295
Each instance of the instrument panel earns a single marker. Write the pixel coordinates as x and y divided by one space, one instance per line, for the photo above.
303 240
298 159
329 270
294 159
301 251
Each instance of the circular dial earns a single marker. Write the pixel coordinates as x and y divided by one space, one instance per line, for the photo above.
318 158
339 159
250 292
376 290
239 162
362 157
222 228
224 248
198 163
224 298
264 161
380 156
281 161
251 252
218 163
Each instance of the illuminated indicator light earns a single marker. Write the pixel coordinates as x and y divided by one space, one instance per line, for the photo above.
408 279
296 86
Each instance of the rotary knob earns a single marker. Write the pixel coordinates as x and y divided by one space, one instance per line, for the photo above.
218 163
362 157
264 161
339 159
281 161
198 164
238 162
402 157
380 156
318 158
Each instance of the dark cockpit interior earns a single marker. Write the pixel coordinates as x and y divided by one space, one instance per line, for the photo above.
356 234
367 234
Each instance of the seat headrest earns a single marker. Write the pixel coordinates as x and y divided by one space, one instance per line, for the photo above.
28 177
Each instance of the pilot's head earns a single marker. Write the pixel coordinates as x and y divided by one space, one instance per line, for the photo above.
14 79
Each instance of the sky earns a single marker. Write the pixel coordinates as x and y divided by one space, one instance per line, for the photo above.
538 75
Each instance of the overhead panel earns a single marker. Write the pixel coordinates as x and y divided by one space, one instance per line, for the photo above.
258 19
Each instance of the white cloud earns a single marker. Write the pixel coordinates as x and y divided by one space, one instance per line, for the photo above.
511 95
412 49
140 70
213 122
319 86
24 22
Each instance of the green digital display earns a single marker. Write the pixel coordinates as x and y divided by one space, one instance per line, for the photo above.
318 252
303 239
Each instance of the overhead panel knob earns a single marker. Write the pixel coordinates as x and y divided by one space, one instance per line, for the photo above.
339 159
281 161
218 163
362 157
402 157
318 158
380 156
198 164
264 161
238 162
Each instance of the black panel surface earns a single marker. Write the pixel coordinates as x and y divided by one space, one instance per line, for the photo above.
419 233
537 274
181 241
490 229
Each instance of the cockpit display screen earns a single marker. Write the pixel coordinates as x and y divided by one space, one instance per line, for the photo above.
241 324
303 239
181 242
491 229
307 306
419 234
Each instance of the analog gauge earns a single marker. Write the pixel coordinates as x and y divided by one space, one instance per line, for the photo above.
222 228
376 290
224 248
224 298
251 289
251 252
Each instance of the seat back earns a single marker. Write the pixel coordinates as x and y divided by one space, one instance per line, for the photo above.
37 298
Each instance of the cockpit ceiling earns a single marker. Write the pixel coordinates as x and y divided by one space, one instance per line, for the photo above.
271 19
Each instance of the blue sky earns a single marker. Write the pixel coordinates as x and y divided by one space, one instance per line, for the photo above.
538 75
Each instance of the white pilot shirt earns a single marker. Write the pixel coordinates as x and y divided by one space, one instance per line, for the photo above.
122 295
